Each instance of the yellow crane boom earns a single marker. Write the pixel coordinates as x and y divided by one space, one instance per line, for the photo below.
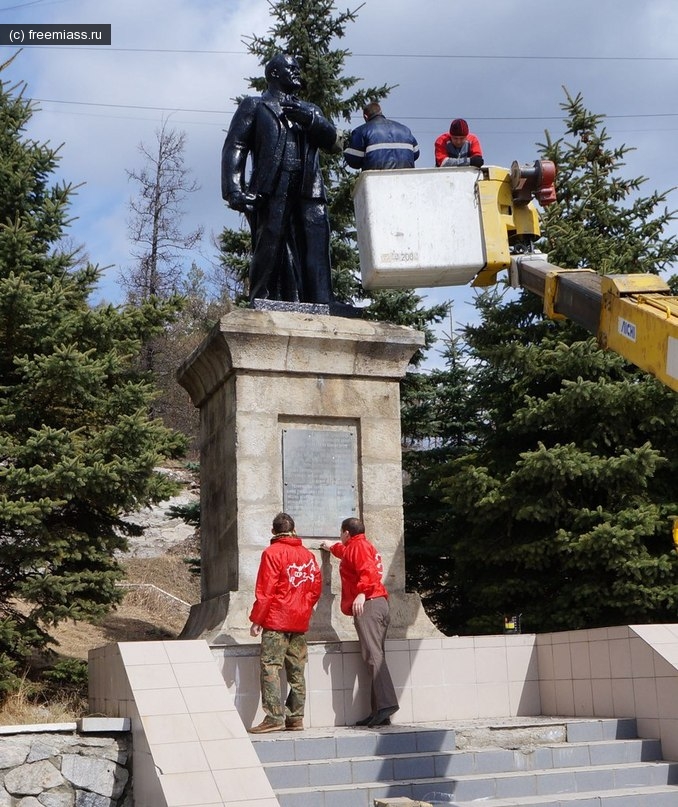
634 315
453 226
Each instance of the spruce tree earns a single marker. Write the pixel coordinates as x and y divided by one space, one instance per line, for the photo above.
77 447
442 426
600 219
560 510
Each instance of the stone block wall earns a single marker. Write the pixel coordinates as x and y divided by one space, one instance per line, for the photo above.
54 769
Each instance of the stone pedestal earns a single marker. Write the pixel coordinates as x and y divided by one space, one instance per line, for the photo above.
257 378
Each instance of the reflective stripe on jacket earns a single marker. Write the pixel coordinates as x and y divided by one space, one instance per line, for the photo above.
381 144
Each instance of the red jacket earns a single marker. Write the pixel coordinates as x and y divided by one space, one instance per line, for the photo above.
361 570
441 152
288 586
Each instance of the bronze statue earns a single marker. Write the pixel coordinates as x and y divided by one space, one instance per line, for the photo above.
284 197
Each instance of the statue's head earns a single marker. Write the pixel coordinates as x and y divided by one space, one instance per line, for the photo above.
283 72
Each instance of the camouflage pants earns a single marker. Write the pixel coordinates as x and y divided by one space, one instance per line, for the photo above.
280 650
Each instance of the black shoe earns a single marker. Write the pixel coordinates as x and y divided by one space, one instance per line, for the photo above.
365 721
382 716
338 309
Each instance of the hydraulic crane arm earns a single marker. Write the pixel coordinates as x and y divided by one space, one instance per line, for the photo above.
452 226
634 315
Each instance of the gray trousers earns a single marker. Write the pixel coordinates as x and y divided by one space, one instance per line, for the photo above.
371 628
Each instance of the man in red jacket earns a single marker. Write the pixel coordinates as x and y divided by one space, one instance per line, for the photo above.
364 596
288 587
458 147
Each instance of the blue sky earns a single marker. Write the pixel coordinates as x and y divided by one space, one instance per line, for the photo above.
499 63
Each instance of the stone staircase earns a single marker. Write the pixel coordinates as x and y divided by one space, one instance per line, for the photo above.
540 762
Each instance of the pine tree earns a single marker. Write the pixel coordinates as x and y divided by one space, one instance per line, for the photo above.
600 219
560 509
308 29
77 448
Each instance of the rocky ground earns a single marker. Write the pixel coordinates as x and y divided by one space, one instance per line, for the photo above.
163 533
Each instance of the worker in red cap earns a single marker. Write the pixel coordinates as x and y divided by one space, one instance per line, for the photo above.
458 147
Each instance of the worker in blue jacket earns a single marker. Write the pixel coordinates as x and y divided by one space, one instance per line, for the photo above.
380 143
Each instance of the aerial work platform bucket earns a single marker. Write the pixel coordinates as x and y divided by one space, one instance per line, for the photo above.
437 226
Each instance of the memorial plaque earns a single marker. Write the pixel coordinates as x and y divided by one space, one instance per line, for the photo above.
320 478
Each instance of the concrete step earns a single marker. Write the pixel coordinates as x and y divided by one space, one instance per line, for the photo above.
337 742
659 796
543 762
342 743
359 769
543 787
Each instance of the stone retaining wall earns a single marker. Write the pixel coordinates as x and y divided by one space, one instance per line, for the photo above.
48 769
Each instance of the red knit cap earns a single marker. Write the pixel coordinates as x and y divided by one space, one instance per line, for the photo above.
459 127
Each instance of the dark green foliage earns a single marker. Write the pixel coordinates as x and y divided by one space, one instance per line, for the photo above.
600 219
561 513
68 673
190 513
558 506
442 426
235 251
77 448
